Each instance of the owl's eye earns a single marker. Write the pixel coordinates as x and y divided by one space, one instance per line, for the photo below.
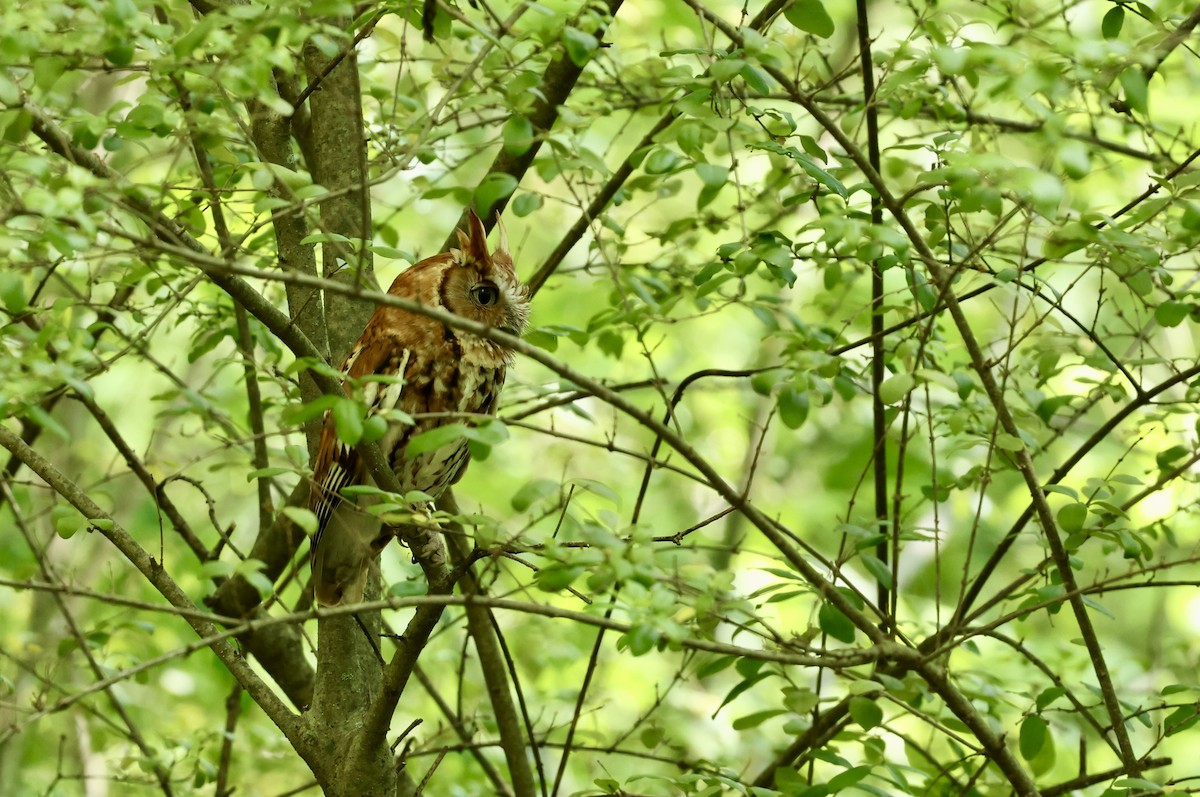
485 295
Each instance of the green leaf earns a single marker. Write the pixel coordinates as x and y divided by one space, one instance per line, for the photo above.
814 149
580 45
266 473
660 161
864 687
833 622
1009 442
714 666
481 438
707 272
756 719
741 686
951 60
302 517
896 387
1175 689
789 781
878 569
1172 313
1074 158
1048 407
793 406
435 438
216 568
1072 517
557 577
726 69
640 639
392 253
1141 784
712 175
68 522
17 126
120 54
810 16
1181 719
297 414
756 79
10 94
823 177
807 163
800 700
261 584
1137 90
374 428
608 785
542 339
348 421
517 134
525 204
490 431
1112 23
532 492
408 588
45 420
846 779
598 488
866 712
748 666
493 189
1191 216
1048 696
1032 736
707 194
326 238
1164 459
651 737
295 180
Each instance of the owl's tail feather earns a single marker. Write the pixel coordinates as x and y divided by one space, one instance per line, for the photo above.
343 554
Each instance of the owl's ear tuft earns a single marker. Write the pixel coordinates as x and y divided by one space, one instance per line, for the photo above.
464 246
502 235
477 249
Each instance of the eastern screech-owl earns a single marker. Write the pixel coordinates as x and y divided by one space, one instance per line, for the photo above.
442 372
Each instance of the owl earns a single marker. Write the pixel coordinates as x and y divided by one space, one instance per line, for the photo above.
435 374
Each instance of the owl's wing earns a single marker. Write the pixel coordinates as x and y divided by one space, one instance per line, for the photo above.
337 464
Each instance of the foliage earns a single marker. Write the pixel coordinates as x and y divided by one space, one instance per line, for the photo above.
853 447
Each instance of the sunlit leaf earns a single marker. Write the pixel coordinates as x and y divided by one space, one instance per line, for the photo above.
435 438
810 16
896 387
1172 313
348 421
1133 81
580 45
493 188
517 134
1072 517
